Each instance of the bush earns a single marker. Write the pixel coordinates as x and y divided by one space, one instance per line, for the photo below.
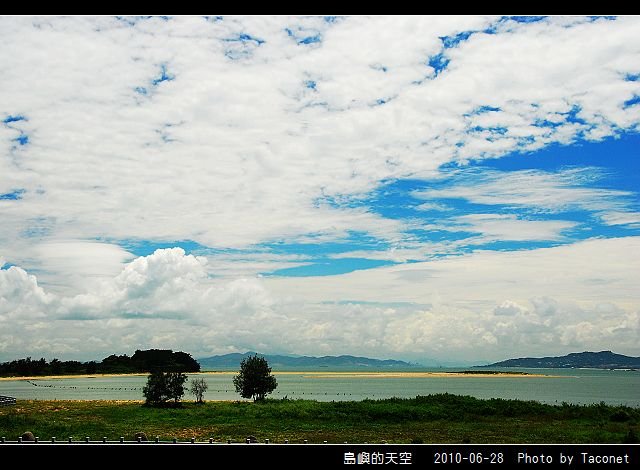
631 438
620 416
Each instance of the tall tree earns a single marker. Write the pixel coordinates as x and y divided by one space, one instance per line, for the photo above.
254 379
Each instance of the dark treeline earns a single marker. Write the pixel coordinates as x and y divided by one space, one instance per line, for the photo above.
142 361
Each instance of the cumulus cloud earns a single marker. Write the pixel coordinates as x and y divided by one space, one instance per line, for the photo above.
508 308
21 297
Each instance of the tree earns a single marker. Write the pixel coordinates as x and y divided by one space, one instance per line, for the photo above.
175 382
56 366
198 387
92 367
163 386
254 379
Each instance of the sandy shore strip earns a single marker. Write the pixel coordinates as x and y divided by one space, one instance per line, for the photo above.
80 376
307 374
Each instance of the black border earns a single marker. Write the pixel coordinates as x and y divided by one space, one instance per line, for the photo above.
317 455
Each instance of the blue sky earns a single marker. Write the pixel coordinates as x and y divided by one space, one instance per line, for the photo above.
356 183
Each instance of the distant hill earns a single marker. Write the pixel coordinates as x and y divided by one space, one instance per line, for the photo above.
597 360
277 362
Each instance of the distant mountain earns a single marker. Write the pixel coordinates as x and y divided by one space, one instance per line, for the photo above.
277 362
596 360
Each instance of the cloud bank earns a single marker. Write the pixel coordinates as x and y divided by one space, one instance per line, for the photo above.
181 182
449 309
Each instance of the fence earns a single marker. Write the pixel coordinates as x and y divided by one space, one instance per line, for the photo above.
7 401
104 440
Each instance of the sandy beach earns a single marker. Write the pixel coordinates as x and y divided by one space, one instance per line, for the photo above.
80 376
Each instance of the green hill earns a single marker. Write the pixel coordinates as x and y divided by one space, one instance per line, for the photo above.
597 360
278 362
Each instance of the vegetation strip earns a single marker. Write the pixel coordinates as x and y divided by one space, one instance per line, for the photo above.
442 418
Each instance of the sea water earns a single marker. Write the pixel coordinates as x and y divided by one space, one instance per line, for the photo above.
577 386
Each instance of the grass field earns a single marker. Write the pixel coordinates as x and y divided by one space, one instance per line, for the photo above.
442 418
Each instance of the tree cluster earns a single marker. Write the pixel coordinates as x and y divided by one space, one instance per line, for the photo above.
141 361
29 367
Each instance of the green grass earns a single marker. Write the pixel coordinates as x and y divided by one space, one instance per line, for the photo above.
442 418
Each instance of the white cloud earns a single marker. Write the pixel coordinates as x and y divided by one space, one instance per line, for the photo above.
432 206
508 308
622 218
486 305
180 130
542 191
494 227
238 265
226 145
75 263
21 297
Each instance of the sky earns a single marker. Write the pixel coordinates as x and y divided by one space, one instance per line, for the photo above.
435 189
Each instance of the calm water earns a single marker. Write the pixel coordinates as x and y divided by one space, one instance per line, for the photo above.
571 385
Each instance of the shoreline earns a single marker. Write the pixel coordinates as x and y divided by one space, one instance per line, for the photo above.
308 374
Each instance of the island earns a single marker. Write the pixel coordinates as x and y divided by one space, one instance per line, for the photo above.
593 360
